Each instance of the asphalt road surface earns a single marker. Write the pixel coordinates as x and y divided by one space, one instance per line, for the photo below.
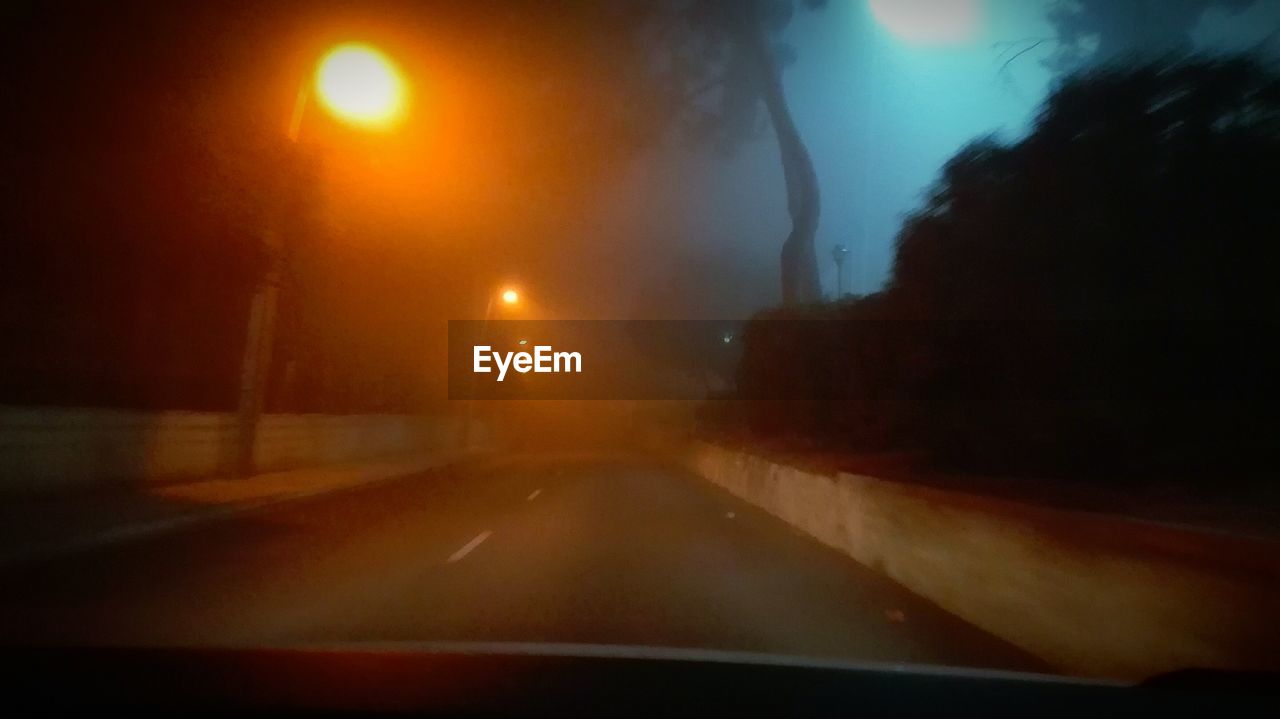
566 548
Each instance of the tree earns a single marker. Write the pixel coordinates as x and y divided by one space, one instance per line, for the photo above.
1096 297
799 262
1093 32
600 82
1127 232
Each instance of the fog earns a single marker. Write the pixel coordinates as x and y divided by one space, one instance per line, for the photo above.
880 116
150 156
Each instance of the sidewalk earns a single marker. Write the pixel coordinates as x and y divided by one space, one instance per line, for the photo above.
39 527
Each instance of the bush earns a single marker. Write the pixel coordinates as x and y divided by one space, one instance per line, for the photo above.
1097 295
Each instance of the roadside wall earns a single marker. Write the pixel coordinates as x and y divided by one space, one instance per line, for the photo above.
1094 595
44 448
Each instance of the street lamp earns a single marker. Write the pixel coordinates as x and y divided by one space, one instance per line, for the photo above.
839 253
509 297
362 87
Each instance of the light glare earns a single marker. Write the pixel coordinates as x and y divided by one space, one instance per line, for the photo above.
361 85
929 22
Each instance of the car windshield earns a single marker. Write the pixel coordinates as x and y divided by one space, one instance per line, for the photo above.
935 333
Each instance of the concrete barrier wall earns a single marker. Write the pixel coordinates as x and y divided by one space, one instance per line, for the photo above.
1092 594
53 448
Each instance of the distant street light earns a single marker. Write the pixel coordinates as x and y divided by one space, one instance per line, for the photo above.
361 86
839 253
510 297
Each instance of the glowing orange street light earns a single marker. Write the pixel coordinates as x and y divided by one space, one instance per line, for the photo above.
360 85
357 84
507 296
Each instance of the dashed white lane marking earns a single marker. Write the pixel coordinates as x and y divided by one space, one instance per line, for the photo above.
533 495
466 548
730 515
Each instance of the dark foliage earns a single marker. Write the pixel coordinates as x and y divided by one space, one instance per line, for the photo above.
1098 32
1098 295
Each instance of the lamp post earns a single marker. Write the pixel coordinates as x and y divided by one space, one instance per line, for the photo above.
509 297
361 87
838 253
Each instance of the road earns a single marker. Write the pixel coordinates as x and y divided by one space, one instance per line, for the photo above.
565 548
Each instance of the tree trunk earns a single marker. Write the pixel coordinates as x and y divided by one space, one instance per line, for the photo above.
799 262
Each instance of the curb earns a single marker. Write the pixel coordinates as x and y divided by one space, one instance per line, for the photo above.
122 534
